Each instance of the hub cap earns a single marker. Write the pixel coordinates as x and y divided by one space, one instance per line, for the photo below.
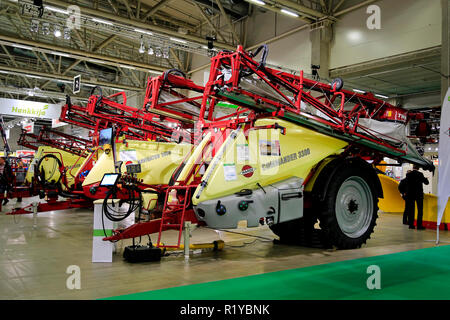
354 207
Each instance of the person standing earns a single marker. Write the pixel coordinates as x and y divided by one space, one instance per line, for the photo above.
20 173
414 194
402 189
6 177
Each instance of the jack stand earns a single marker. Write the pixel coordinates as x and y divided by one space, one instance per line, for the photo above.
188 228
35 210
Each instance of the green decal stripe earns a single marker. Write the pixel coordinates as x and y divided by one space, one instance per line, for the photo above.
101 233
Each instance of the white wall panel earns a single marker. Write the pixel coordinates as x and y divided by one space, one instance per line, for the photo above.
406 25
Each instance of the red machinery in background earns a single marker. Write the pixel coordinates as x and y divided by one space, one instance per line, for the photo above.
82 148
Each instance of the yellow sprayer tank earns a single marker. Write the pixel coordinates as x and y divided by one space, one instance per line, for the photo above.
50 166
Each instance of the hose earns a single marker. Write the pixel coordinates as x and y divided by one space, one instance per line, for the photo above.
265 52
41 177
116 215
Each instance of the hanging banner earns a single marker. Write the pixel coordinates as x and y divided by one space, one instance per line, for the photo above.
31 109
444 154
57 123
28 127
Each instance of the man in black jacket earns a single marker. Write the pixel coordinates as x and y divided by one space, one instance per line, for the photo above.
414 194
6 177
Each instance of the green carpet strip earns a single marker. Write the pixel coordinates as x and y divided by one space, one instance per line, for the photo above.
418 274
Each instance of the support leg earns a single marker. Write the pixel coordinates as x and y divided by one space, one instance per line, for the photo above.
35 211
187 235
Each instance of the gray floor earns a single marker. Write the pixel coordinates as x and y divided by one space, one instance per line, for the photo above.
33 262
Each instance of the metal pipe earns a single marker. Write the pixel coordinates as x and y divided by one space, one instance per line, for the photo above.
78 53
67 78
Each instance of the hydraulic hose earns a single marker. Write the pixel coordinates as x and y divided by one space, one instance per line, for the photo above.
265 52
116 215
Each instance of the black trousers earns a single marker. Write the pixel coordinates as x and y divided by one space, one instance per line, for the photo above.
410 210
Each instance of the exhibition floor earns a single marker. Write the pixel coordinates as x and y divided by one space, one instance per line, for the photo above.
33 263
413 275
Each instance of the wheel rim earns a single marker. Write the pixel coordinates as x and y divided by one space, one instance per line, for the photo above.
354 207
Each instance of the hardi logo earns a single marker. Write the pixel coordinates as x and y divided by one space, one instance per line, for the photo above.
30 111
247 171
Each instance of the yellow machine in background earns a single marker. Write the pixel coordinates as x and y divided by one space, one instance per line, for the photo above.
158 161
48 161
394 203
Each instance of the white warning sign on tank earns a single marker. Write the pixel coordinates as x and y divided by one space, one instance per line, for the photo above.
229 171
128 155
243 153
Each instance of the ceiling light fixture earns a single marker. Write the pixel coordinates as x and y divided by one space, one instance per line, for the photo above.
102 21
56 9
32 76
150 50
57 31
144 31
142 47
381 96
45 28
61 54
289 13
96 61
34 26
22 47
258 2
66 33
127 67
359 91
178 40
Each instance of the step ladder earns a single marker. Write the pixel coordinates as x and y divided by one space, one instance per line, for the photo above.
173 214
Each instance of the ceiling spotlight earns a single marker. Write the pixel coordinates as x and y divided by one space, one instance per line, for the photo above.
34 26
211 42
258 2
150 50
143 31
66 33
178 40
142 47
54 9
57 31
166 53
45 28
22 46
102 21
158 52
289 13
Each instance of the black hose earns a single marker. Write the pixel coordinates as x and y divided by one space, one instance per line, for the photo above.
41 178
265 52
114 215
99 89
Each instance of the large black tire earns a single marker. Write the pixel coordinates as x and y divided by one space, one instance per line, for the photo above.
349 209
300 232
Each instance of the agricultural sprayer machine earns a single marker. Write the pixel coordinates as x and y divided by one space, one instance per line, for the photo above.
293 153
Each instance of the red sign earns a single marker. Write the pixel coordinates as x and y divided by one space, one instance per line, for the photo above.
247 171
